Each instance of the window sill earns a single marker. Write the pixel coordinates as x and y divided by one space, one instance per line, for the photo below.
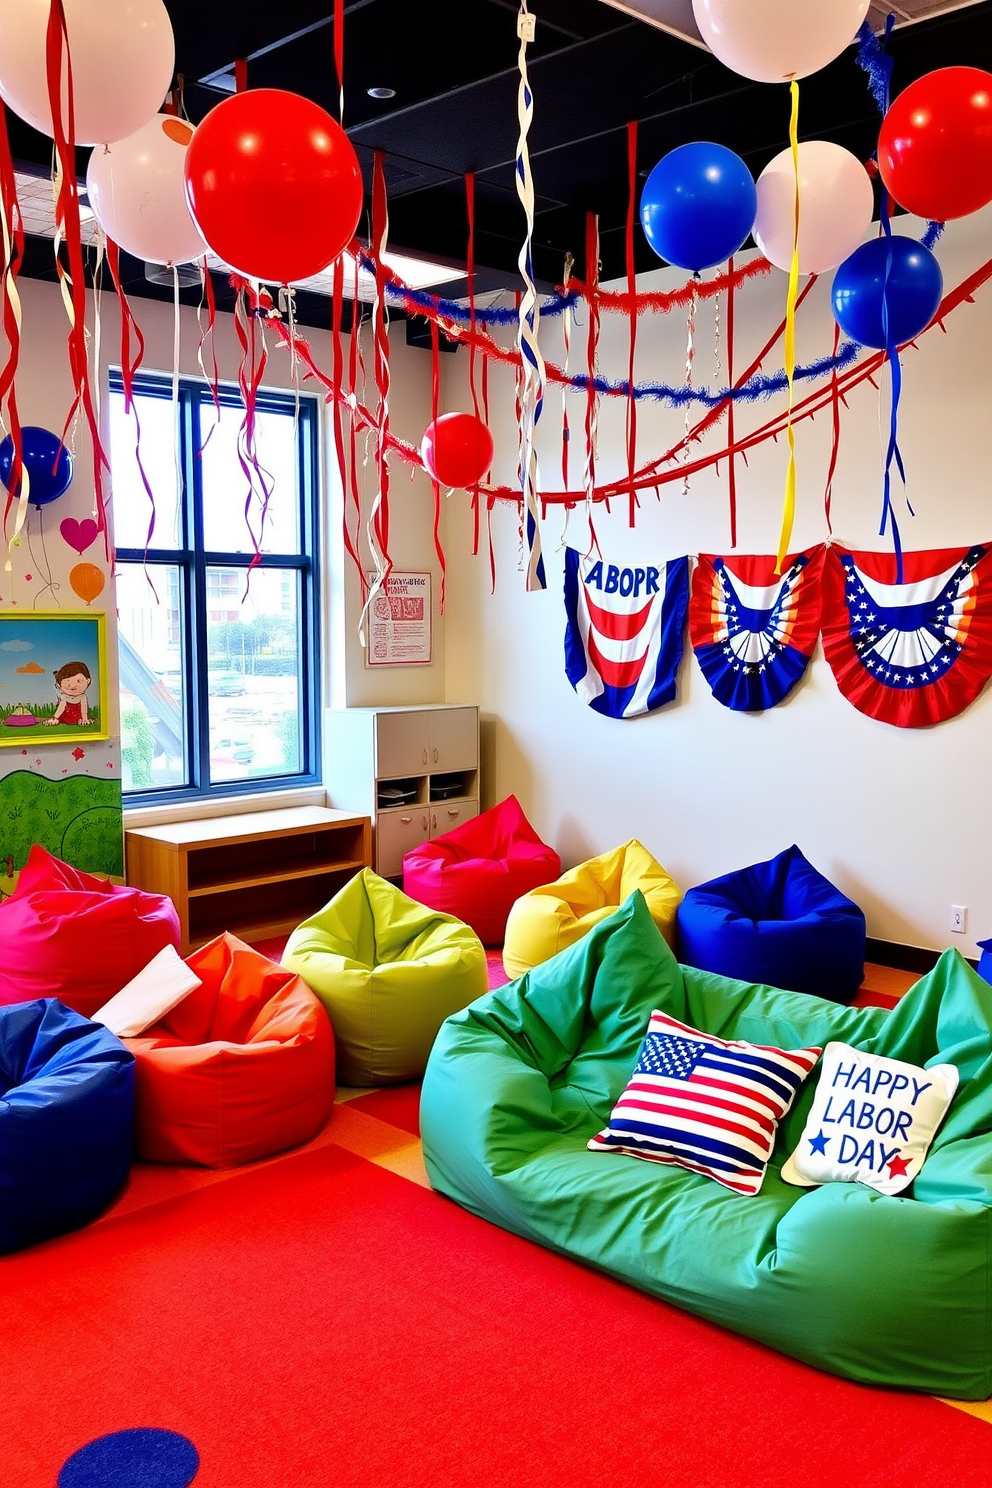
176 811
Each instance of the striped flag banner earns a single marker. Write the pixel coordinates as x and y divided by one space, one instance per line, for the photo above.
706 1104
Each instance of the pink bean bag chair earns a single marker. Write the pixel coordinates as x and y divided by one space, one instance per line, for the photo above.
478 870
70 935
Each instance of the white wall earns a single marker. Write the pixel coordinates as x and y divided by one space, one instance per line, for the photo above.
900 819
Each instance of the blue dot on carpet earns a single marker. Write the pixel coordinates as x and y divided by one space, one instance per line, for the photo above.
141 1457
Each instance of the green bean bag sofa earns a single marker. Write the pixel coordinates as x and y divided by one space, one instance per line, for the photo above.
886 1290
389 971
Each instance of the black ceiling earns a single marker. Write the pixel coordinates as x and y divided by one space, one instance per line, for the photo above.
453 64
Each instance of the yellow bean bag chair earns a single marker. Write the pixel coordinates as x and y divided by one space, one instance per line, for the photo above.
389 971
556 915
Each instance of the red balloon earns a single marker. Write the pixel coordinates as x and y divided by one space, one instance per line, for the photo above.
457 449
935 145
274 185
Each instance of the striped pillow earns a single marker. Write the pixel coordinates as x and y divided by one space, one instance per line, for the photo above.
704 1103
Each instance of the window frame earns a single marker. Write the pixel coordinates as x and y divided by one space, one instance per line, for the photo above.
193 560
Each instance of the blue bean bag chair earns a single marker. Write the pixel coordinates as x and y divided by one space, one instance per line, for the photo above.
985 963
66 1120
779 923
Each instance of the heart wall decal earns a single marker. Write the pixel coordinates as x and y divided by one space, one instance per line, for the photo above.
79 535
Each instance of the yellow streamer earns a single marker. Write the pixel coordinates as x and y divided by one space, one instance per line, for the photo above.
789 505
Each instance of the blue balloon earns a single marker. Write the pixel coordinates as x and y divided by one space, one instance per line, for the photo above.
698 205
46 459
887 291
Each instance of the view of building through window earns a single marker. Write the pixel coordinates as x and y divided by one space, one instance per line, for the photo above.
216 655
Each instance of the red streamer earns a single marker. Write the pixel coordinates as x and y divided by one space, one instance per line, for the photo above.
67 216
11 268
380 227
354 359
592 343
834 437
337 371
632 318
473 346
130 363
339 52
436 485
731 463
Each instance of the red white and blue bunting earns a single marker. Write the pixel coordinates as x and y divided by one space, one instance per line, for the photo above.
624 632
753 632
911 653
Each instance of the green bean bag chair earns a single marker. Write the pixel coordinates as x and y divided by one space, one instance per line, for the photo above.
882 1289
388 972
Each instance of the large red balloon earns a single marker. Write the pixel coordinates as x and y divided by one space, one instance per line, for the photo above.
274 185
935 145
457 449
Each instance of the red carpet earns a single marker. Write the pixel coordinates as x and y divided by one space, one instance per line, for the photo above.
397 1104
320 1323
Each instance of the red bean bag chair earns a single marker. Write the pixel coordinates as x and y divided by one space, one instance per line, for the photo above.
70 935
241 1068
478 870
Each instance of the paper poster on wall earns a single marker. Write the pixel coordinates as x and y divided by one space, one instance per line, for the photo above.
399 631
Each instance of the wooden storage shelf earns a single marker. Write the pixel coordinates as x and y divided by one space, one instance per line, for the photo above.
431 750
257 875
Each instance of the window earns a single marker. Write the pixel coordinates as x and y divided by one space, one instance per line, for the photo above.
218 674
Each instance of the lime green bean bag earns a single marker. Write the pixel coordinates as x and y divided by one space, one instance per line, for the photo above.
556 915
887 1290
389 972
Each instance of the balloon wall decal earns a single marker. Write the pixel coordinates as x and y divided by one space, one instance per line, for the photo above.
46 459
935 144
123 57
79 535
698 205
274 185
136 188
457 449
87 581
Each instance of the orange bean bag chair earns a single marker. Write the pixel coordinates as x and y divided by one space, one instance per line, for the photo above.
76 937
241 1068
478 870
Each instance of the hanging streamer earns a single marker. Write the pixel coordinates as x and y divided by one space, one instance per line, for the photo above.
377 528
592 351
789 504
208 334
13 255
339 54
632 321
58 66
337 371
531 361
131 359
354 360
473 348
566 327
731 461
435 484
834 437
690 354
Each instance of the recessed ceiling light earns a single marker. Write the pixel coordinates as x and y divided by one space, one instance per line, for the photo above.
381 92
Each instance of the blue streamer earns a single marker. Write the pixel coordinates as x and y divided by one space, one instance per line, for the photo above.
875 62
934 231
761 385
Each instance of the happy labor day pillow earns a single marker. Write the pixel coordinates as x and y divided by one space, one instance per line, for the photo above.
707 1104
872 1120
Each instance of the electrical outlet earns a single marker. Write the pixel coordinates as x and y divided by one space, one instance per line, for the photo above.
959 918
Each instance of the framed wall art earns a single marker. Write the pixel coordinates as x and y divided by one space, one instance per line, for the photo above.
53 677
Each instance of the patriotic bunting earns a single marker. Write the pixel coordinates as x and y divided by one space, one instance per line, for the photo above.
911 653
753 633
624 632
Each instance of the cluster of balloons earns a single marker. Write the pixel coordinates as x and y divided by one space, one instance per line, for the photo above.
700 203
269 180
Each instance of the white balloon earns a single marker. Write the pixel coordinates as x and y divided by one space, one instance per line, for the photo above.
835 207
123 57
775 40
137 193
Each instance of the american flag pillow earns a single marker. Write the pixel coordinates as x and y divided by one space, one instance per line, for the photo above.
704 1103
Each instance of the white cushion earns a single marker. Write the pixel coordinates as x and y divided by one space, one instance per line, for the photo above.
872 1120
155 991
